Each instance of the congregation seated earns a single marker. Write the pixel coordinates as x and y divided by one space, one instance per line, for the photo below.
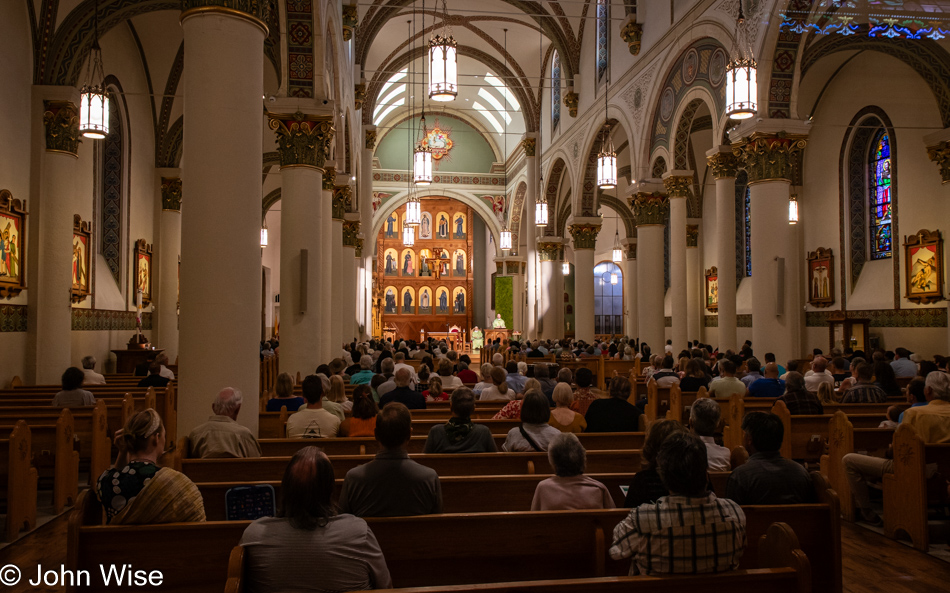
864 391
89 370
388 371
690 530
335 400
221 435
569 489
72 395
885 379
563 417
449 381
365 374
753 372
338 368
704 416
312 421
284 389
514 378
798 399
512 409
466 375
267 351
818 374
767 477
902 365
135 490
142 368
166 372
646 485
460 434
695 377
484 378
615 413
154 378
916 394
665 376
585 394
392 485
543 374
362 422
726 384
308 546
534 434
435 391
399 359
827 395
769 385
852 378
499 390
403 393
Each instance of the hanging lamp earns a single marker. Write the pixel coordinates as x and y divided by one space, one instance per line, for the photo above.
408 235
566 268
505 231
540 204
443 63
505 239
264 232
741 87
793 209
93 103
607 158
422 155
613 278
413 204
618 250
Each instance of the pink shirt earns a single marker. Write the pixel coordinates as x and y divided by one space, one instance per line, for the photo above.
577 492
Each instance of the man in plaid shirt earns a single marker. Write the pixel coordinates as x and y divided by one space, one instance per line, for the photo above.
688 532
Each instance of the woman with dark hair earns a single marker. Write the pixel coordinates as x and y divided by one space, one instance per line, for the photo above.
646 485
363 421
333 552
535 433
73 395
696 376
460 434
584 394
379 361
885 378
614 414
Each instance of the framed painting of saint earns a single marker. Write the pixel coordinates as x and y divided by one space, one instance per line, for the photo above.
425 226
442 300
82 240
442 223
390 300
712 289
424 268
12 224
425 301
408 301
458 263
392 226
458 226
143 271
407 262
391 263
923 267
458 300
821 278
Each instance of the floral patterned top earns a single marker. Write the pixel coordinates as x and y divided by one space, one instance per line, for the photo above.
119 487
511 411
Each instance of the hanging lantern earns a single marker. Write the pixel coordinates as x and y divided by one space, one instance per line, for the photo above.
264 234
607 163
413 210
408 235
541 212
741 86
793 209
566 268
505 239
422 157
443 63
613 278
93 103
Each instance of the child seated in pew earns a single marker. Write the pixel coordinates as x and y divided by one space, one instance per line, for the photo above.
892 418
569 489
72 395
434 392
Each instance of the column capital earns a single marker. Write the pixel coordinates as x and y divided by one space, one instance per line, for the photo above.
692 235
351 231
678 183
629 248
530 144
769 157
342 200
369 137
171 194
650 208
571 100
359 94
723 163
350 20
255 11
61 120
329 177
632 33
359 247
303 140
551 249
940 154
584 232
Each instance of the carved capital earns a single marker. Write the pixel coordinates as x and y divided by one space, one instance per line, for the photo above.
650 208
550 251
940 154
632 33
692 235
359 247
256 11
530 145
350 19
342 199
678 186
767 157
329 177
723 165
61 119
631 250
571 101
171 194
351 228
585 235
302 140
370 141
359 95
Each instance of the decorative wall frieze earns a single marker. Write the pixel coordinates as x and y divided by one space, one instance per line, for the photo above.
257 11
302 140
530 145
921 317
512 267
940 154
551 250
351 231
723 164
769 157
650 208
632 33
61 120
584 235
571 100
342 200
171 194
103 320
692 235
329 178
369 142
350 20
13 318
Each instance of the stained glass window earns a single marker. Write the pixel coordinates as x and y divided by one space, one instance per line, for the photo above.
748 231
555 91
880 195
603 10
608 299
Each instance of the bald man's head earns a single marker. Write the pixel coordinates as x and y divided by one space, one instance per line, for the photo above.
227 403
771 371
402 377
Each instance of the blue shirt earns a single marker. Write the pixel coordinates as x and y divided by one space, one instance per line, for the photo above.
767 388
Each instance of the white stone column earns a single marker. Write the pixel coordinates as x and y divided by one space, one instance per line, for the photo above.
368 243
631 327
551 251
221 183
650 210
695 283
351 266
724 167
584 232
678 188
341 292
169 251
50 221
325 226
531 252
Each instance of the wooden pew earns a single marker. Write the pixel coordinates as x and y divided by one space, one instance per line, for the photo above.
52 447
806 435
273 424
905 491
679 401
20 483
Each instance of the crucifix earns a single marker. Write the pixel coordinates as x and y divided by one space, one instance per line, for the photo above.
435 263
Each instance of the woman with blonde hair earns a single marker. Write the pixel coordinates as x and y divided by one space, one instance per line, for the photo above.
499 389
434 392
284 395
335 400
563 417
484 375
826 393
135 490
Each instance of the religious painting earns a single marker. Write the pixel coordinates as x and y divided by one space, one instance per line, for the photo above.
438 141
425 268
442 222
458 262
407 262
425 226
458 226
392 226
389 295
458 300
923 267
12 223
425 301
712 289
392 262
442 300
142 272
821 281
82 240
408 301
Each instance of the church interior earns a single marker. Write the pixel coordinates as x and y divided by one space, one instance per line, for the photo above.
714 176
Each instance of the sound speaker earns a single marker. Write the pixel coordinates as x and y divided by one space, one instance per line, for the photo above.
304 267
779 286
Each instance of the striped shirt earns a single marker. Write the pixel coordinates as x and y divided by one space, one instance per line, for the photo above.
864 393
681 535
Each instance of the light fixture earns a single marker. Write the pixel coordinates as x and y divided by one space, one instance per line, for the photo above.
505 231
264 233
741 87
613 278
422 156
413 209
618 250
540 205
566 268
408 235
541 210
793 209
505 239
93 103
413 205
443 63
607 158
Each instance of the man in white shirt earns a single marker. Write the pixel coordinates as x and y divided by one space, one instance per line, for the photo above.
91 377
165 372
312 421
703 420
818 374
400 363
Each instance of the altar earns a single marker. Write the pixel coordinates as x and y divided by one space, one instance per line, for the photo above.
455 339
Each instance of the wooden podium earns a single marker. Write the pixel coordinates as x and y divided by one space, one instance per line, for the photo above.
127 360
492 333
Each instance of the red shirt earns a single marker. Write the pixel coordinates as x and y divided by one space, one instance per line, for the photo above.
467 376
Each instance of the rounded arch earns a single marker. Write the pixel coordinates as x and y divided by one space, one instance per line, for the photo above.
659 167
462 117
558 176
624 212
